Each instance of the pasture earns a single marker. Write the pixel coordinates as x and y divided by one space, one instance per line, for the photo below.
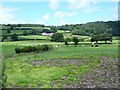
60 67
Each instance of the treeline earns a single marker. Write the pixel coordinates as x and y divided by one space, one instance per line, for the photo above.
93 28
88 29
24 25
38 48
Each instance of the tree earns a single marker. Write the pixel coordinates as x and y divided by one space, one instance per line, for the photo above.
8 31
95 38
25 33
102 37
4 37
75 40
106 37
57 37
14 37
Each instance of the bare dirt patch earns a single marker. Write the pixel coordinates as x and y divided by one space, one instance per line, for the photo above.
104 76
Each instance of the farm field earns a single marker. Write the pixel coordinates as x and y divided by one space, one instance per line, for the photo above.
85 64
67 65
57 44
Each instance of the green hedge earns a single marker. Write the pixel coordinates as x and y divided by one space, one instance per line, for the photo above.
38 48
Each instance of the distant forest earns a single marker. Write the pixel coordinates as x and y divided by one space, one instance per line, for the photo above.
88 29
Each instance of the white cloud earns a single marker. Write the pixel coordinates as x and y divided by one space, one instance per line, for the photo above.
80 4
115 12
62 22
61 15
54 4
46 17
43 20
7 15
87 6
90 10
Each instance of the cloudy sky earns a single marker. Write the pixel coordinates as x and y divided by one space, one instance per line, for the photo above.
57 12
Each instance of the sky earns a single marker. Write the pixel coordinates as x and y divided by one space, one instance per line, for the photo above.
57 12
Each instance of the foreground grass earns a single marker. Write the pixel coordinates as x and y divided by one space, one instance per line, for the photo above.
23 74
8 49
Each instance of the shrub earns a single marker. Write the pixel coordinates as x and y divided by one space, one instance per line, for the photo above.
96 45
14 37
38 48
25 33
57 37
92 45
17 50
75 40
66 43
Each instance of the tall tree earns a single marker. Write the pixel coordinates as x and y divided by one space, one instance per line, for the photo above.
14 37
75 40
57 37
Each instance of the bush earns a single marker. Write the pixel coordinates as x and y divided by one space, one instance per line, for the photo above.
92 45
38 48
25 33
75 40
96 45
66 43
14 37
57 37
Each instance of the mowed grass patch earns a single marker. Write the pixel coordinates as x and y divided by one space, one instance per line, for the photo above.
4 32
35 37
80 52
23 74
63 51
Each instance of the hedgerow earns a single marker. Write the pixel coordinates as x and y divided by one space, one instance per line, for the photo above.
38 48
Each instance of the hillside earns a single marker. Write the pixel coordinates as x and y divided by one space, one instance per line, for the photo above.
87 29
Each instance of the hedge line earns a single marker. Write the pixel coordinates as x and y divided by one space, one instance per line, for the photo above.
38 48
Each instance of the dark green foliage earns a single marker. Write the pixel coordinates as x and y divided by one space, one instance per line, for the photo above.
47 31
8 31
102 37
96 45
92 45
93 28
114 25
88 29
67 40
57 37
25 33
4 37
53 29
106 37
14 37
75 40
95 38
38 48
66 43
34 32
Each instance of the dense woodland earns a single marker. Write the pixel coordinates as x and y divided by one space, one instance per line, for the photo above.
92 28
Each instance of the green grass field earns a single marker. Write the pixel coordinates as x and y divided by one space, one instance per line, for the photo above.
23 70
4 32
35 37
